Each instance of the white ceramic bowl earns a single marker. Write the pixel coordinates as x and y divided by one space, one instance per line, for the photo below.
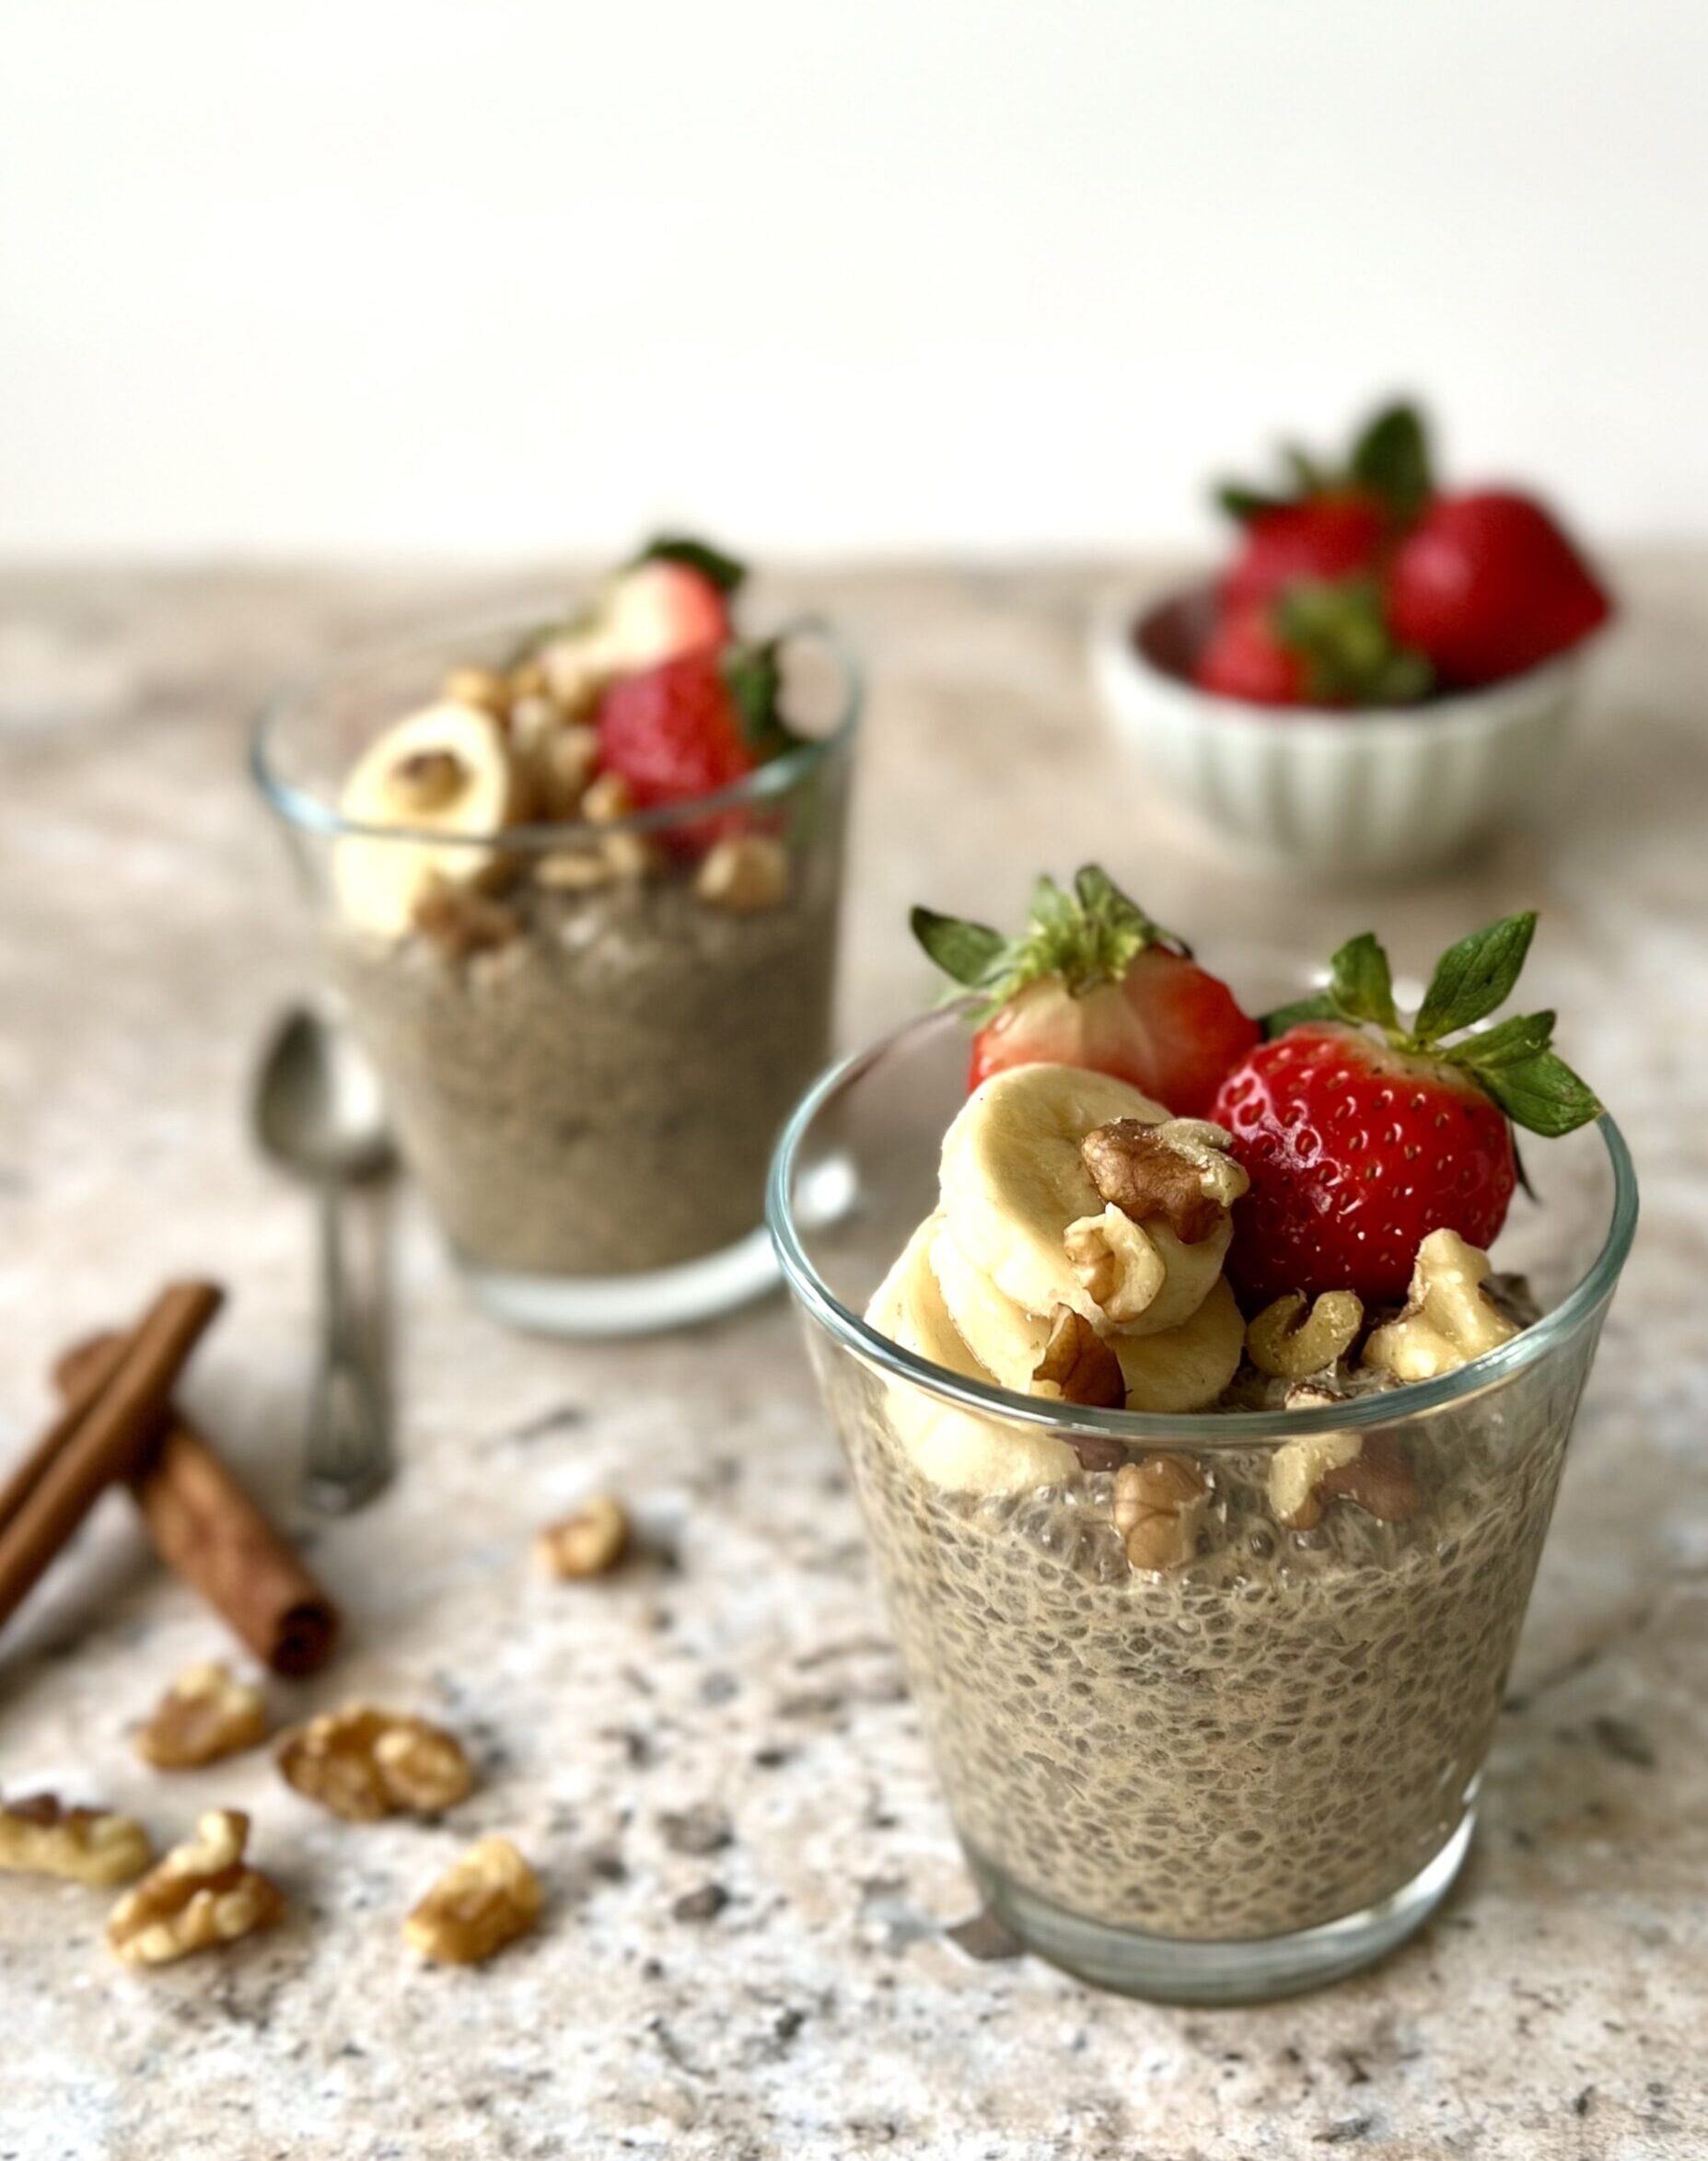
1379 794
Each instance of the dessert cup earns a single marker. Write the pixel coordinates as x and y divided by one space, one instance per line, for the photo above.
589 1103
1252 1773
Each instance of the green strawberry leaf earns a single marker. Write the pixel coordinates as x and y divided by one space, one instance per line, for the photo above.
1243 504
1101 899
1541 1094
723 571
1473 978
1321 1006
1340 632
1361 983
971 953
1390 459
1509 1042
753 674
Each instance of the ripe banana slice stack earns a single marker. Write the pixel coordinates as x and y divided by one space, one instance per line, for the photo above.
447 769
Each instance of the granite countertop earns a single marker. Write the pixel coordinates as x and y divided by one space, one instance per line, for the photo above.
712 1756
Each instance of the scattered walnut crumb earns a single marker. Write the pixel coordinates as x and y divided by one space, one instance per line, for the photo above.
1078 1365
484 1900
201 1894
589 1542
363 1763
206 1714
744 873
1372 1472
39 1836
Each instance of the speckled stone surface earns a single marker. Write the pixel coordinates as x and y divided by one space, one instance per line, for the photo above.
771 1975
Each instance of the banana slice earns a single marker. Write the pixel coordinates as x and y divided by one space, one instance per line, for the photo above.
445 769
956 1450
1181 1368
1013 1183
1185 1368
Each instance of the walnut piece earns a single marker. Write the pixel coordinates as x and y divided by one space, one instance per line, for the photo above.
1078 1365
364 1763
1159 1505
206 1714
460 922
481 688
575 870
565 760
1450 1318
1178 1171
589 1542
483 1901
1372 1472
607 800
203 1893
1287 1343
39 1836
744 873
1117 1260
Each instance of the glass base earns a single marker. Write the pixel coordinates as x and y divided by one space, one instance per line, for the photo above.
1169 1969
627 1305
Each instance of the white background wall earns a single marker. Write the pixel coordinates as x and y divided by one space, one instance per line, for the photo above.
493 275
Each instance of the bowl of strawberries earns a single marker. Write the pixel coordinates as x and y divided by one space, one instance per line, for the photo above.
1382 674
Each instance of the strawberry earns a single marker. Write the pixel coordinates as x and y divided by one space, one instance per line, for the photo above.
1487 585
1092 981
672 600
689 727
1359 1144
1312 644
1331 522
1322 539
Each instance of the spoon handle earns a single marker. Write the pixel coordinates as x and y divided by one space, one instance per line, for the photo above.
348 1457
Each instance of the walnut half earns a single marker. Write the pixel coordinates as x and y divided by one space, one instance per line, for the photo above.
1078 1365
484 1900
1450 1318
204 1893
1159 1505
1180 1171
364 1763
206 1714
39 1836
1371 1471
1288 1343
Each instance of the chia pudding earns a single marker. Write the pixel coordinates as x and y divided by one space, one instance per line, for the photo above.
581 904
1228 1671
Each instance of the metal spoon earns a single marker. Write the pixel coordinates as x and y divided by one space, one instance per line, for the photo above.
318 1114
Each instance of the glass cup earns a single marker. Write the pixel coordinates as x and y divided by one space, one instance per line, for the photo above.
588 1085
1251 1774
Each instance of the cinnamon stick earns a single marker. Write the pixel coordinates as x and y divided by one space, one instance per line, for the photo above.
100 1439
204 1526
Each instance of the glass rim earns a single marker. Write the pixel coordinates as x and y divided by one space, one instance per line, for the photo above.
310 811
1203 1430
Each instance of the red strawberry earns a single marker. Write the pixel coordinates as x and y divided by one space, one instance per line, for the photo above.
1312 644
672 600
1487 585
1244 657
1358 1148
673 734
1092 981
1322 539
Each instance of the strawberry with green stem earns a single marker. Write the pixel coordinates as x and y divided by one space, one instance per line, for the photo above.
1362 1134
1092 981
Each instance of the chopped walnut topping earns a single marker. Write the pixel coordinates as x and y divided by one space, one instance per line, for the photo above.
364 1763
1117 1261
484 1900
607 800
589 1542
481 688
460 922
206 1714
39 1836
566 758
1286 1343
1449 1316
744 872
201 1894
1160 1170
1078 1365
1372 1472
1159 1506
575 870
